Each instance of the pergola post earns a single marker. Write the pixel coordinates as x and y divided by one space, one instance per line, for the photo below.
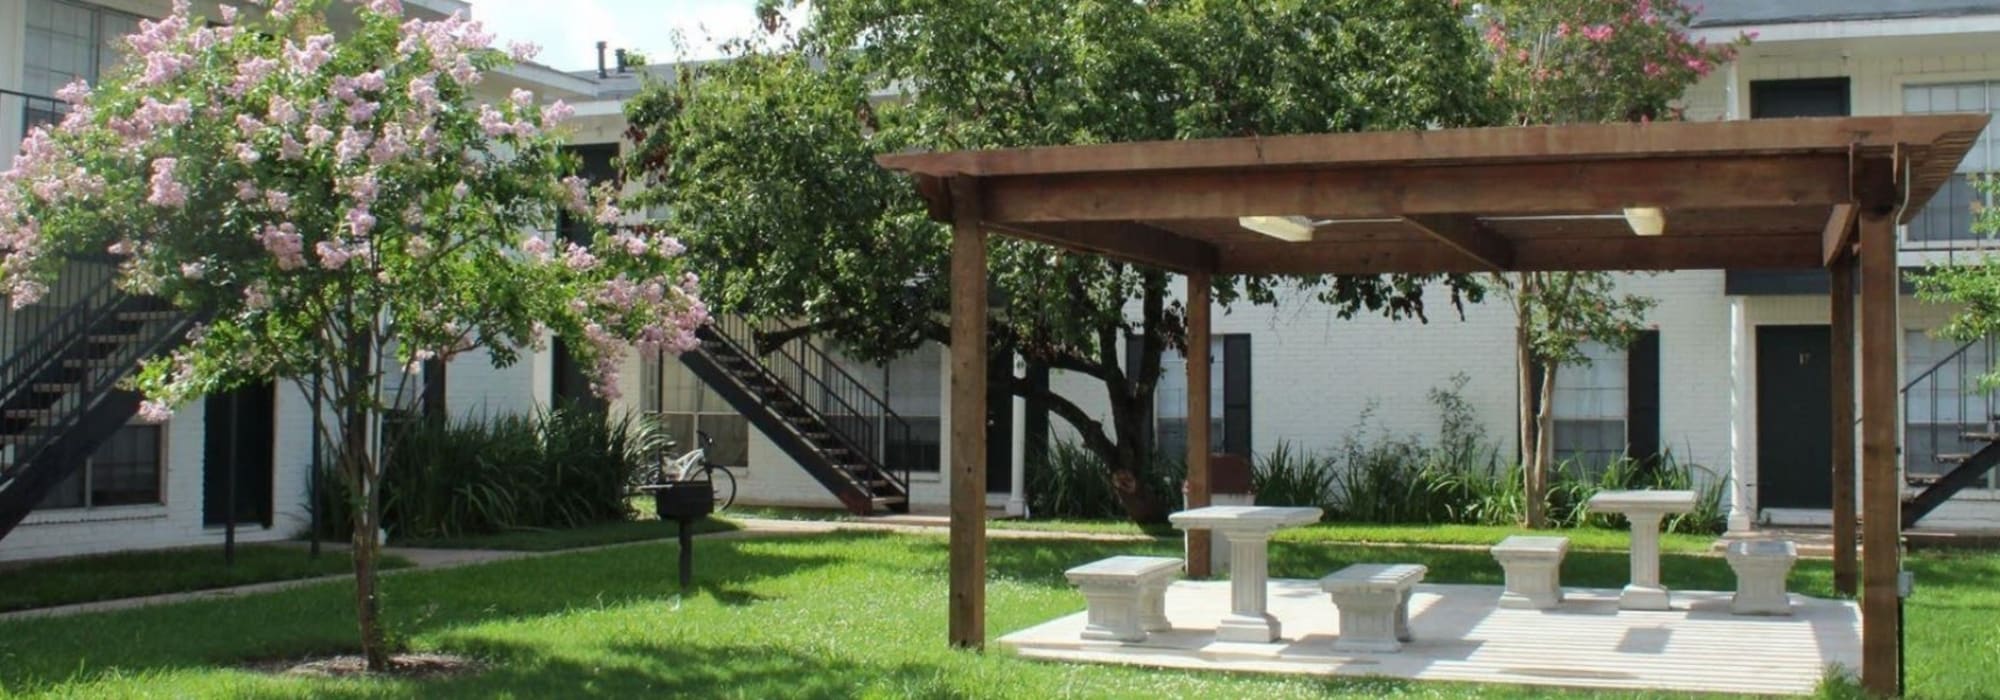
1881 492
968 417
1841 296
1198 439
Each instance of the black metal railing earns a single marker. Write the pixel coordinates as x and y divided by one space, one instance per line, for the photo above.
857 417
21 111
100 374
33 337
1943 405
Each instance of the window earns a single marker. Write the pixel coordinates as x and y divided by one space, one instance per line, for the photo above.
911 385
1228 399
1945 400
124 471
685 405
1590 408
1948 217
64 42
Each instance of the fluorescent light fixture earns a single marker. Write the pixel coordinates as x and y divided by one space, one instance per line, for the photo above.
1297 229
1646 221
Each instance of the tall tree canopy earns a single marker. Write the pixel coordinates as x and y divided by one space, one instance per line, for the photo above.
764 164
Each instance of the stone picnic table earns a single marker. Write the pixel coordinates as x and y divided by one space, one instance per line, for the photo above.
1248 529
1644 509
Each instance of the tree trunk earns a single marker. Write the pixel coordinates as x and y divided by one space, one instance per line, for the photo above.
366 477
1131 466
1526 415
1545 430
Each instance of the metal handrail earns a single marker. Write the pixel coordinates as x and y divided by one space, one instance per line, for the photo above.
99 381
820 385
96 297
1930 433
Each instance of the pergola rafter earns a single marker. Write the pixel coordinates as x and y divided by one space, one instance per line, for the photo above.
1777 194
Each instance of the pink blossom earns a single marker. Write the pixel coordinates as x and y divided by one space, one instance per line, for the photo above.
281 112
285 243
289 148
360 221
352 145
331 256
523 51
390 146
1598 33
557 113
363 188
461 190
521 98
308 59
152 411
278 201
1653 70
165 190
393 8
153 114
227 13
492 122
250 73
362 112
536 248
576 193
75 93
423 92
317 135
255 296
247 191
579 258
247 154
194 270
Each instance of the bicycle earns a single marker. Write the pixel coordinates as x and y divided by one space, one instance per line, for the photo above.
689 467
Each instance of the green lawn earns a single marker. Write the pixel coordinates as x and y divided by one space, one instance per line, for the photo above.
1581 539
573 538
132 574
844 615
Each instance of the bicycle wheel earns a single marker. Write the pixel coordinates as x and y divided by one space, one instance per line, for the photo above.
725 486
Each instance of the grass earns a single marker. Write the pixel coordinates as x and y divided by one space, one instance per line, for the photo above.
851 614
1580 539
540 540
132 574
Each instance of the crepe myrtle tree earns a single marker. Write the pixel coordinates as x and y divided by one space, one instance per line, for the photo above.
765 164
1570 62
336 207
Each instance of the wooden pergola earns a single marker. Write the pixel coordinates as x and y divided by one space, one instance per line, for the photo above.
1776 194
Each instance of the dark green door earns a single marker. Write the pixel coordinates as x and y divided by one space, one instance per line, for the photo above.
1794 431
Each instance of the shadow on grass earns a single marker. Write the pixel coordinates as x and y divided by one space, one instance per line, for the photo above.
318 620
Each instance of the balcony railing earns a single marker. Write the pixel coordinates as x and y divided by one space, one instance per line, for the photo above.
19 112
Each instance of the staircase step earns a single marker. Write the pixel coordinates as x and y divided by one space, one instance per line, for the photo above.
56 387
1922 479
1951 457
117 338
30 413
886 501
1980 436
150 315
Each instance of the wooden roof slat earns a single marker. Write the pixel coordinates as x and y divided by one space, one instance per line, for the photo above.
1794 251
1123 240
1524 189
1467 235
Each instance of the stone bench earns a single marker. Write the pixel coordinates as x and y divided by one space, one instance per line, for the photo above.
1533 566
1374 605
1126 596
1761 567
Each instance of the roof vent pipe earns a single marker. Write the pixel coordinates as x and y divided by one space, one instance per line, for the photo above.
601 72
621 61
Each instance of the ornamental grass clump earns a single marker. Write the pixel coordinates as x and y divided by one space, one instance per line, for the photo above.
339 207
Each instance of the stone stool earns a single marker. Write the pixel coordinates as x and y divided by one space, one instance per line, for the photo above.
1374 605
1533 566
1761 567
1126 596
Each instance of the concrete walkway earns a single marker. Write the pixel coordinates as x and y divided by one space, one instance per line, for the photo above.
422 559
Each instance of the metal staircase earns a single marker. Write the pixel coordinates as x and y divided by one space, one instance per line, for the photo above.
59 384
1951 432
820 415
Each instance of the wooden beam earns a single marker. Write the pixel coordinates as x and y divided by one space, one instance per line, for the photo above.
1669 252
968 418
1838 236
1841 298
1881 485
1444 146
1198 438
1468 236
1505 189
1122 240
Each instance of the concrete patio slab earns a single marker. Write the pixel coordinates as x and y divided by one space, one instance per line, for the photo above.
1462 635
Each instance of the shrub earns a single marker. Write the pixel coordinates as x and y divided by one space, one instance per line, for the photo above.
1069 481
1287 476
557 468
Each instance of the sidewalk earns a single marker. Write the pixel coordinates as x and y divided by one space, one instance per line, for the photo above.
422 559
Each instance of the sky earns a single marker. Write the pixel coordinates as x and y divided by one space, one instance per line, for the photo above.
568 30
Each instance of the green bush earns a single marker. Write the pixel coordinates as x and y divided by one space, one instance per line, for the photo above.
1069 481
560 468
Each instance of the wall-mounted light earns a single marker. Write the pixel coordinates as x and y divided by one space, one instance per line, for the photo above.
1646 221
1297 229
